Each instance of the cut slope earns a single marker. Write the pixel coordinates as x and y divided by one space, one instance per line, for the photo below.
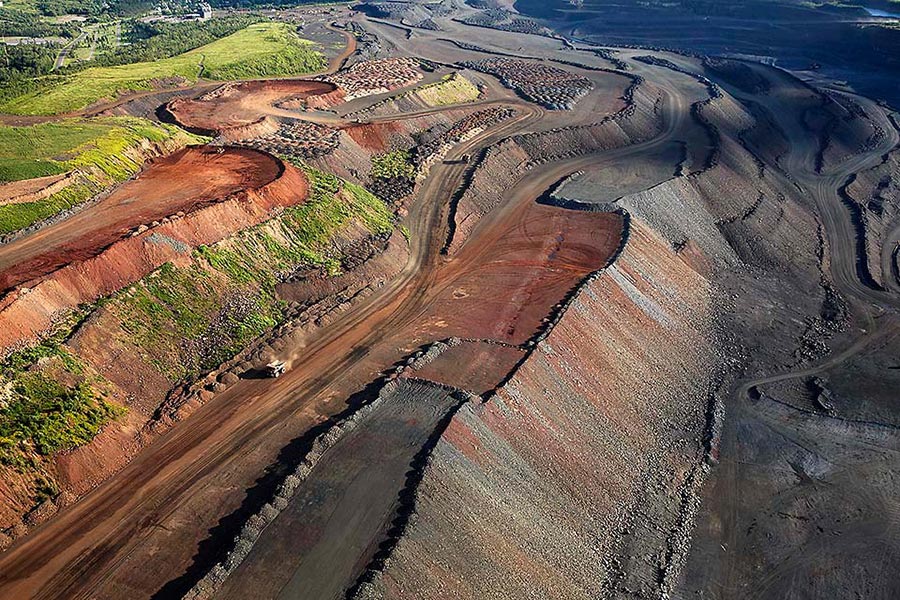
182 182
529 494
108 258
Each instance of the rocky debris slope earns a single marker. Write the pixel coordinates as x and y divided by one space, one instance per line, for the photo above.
581 468
359 462
303 139
504 20
375 77
551 87
874 197
502 164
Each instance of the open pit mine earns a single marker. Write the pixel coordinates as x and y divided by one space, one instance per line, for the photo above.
476 311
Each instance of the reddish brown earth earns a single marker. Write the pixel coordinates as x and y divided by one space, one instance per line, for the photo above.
181 182
216 191
373 136
238 105
31 190
474 365
503 283
570 448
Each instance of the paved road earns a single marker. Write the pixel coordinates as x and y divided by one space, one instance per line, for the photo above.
64 53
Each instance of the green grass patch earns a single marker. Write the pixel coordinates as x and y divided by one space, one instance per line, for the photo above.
98 143
99 149
393 164
190 319
49 401
452 89
260 50
14 217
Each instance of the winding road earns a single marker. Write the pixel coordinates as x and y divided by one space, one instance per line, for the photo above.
112 542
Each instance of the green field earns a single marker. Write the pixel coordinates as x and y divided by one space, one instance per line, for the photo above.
99 149
451 89
260 50
59 147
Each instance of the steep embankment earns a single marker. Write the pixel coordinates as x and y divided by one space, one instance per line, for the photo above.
579 457
96 259
874 196
501 165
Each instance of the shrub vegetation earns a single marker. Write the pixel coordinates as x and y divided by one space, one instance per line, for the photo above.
190 319
48 401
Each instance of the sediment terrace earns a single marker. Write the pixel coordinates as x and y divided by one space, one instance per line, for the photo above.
239 110
193 197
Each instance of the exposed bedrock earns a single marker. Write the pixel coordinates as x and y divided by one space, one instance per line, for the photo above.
581 465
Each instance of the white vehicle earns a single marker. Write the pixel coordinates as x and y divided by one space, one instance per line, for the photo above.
275 369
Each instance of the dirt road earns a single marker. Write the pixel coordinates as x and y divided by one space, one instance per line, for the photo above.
181 182
747 466
101 544
129 534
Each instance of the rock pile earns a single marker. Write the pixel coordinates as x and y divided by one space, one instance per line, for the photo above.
434 140
554 88
506 21
297 138
376 76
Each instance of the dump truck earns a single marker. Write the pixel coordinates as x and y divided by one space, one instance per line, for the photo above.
275 369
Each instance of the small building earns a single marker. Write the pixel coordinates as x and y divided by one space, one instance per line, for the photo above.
205 11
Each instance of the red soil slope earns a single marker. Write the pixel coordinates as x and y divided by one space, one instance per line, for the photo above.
577 447
94 254
505 281
182 182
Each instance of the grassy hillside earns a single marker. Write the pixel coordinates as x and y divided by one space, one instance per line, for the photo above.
452 89
260 50
102 150
49 401
189 319
59 147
